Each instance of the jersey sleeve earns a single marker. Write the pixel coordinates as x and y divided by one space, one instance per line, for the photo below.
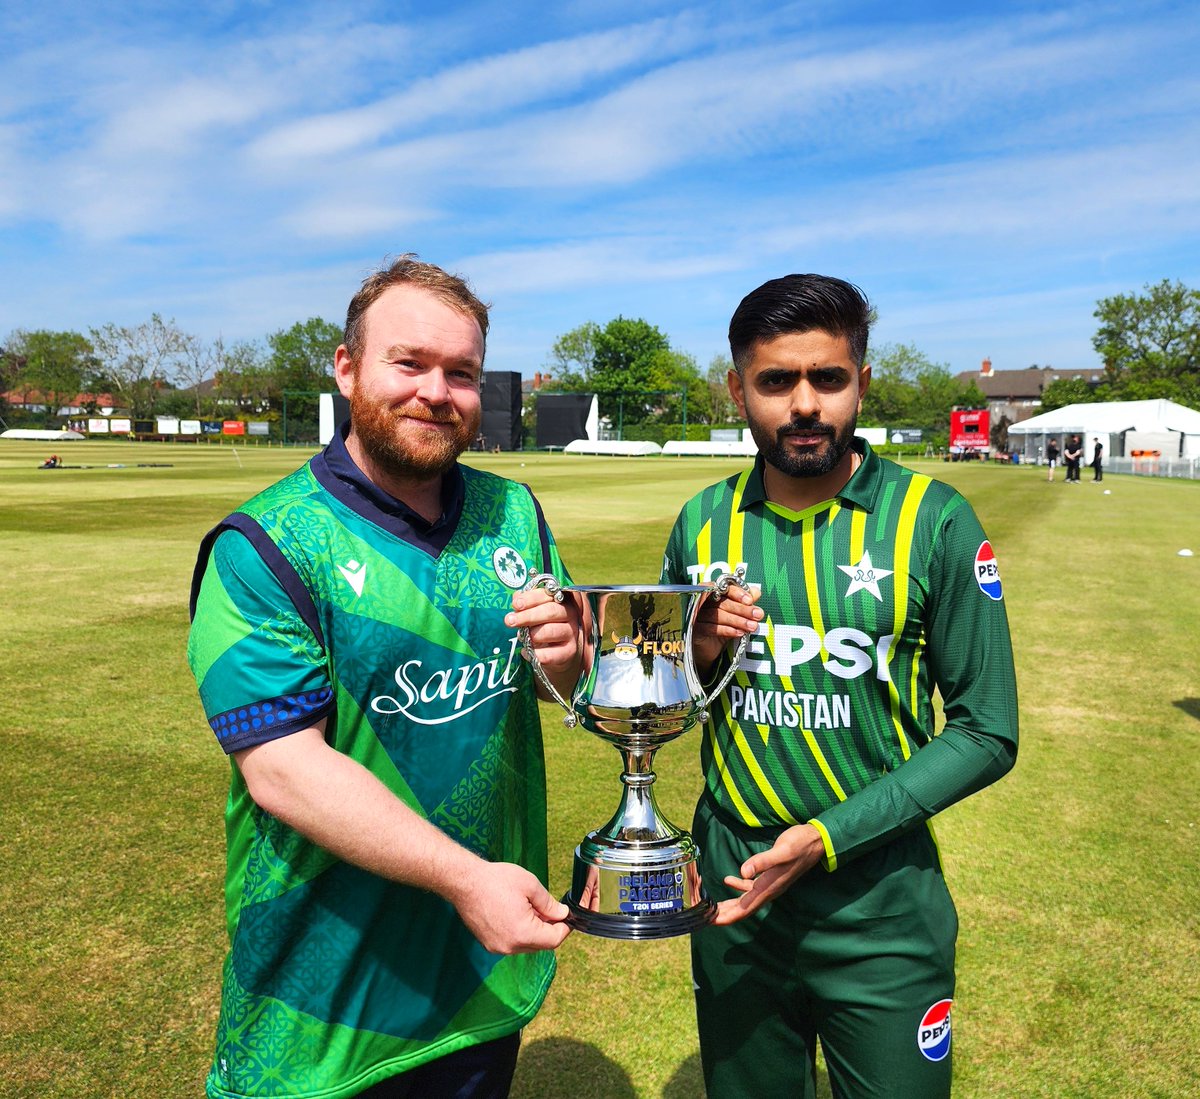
674 558
261 672
971 663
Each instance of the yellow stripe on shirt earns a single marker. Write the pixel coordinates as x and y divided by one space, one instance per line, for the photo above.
902 569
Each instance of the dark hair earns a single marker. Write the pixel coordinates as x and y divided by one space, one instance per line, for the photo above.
800 303
410 271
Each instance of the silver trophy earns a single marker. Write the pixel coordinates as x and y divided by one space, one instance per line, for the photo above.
638 877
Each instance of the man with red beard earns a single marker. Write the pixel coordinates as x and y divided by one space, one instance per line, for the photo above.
354 646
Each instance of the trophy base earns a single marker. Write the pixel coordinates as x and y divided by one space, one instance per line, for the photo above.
633 927
644 889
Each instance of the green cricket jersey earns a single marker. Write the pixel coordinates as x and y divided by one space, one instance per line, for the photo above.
323 597
872 600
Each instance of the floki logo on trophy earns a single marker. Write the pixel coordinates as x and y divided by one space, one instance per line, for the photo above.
638 876
626 648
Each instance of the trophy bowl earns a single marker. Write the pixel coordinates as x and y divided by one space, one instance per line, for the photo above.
638 876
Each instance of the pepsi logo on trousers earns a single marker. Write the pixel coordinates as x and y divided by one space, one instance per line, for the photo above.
933 1035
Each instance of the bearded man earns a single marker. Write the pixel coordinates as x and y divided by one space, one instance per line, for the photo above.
354 645
876 586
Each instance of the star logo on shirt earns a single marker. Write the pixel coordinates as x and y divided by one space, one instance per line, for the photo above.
864 576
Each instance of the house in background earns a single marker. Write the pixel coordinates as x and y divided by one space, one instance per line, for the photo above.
1015 395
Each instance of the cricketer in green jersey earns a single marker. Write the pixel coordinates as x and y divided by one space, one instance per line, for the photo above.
355 649
822 767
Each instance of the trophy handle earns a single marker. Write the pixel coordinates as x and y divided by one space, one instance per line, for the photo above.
722 585
550 583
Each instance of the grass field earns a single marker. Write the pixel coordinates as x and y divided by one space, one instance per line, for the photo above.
1077 877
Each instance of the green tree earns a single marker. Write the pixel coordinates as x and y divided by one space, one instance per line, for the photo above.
136 362
718 404
572 356
1064 391
630 365
626 365
301 365
56 364
891 398
676 377
302 356
908 390
1150 342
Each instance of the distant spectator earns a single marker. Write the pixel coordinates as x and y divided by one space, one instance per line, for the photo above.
1051 458
1072 456
1098 462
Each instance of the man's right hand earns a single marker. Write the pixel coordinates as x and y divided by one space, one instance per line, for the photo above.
339 804
764 876
508 910
723 620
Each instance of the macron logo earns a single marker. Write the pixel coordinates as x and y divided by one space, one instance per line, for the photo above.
355 575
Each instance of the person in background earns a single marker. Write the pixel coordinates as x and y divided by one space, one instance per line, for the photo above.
1051 458
1072 456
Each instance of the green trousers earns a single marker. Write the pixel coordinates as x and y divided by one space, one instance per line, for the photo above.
861 958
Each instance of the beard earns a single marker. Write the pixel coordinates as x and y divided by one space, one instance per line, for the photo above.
814 461
393 439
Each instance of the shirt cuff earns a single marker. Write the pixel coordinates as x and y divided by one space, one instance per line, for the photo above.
829 862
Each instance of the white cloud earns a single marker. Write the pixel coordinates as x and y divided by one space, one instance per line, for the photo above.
346 217
570 265
172 120
479 88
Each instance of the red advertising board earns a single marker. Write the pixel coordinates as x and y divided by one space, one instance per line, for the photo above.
970 429
233 427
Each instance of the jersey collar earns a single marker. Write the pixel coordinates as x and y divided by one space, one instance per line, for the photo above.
339 473
862 490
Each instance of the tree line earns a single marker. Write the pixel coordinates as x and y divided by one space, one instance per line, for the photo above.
157 369
1149 343
639 379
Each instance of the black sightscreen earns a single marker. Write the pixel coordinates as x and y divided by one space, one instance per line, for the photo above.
562 418
501 423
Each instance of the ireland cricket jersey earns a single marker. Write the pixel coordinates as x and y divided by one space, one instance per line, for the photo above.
323 597
872 600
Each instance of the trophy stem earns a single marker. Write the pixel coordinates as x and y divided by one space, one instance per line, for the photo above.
638 818
638 877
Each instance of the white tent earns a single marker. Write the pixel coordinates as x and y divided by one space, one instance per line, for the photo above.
1121 427
55 435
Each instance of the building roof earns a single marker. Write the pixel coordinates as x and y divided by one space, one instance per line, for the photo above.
24 395
1002 385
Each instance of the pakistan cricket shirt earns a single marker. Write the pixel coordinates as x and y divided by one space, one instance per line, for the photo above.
872 600
324 597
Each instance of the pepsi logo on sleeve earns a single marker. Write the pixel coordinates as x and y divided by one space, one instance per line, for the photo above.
987 572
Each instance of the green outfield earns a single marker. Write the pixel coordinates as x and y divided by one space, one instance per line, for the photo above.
1077 877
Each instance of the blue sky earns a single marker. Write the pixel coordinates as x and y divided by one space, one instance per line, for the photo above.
985 172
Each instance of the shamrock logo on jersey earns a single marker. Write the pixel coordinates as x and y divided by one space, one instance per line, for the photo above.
510 567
